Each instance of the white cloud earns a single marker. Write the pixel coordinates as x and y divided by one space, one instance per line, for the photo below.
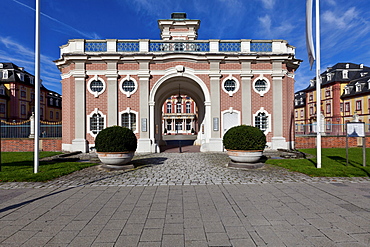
280 30
268 4
341 20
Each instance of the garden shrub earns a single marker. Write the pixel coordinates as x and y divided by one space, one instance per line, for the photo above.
244 137
115 139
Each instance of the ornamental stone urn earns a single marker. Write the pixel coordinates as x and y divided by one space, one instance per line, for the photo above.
115 146
245 145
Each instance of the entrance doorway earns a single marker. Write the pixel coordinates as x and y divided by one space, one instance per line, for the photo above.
179 111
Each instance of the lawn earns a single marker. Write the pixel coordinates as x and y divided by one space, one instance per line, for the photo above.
333 163
19 167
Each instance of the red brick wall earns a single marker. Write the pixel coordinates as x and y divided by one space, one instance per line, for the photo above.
27 145
302 142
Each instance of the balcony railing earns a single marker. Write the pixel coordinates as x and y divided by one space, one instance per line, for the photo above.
171 46
179 47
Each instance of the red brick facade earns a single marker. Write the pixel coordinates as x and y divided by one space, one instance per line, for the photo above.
27 145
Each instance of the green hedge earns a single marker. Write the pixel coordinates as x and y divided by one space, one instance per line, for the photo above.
244 137
115 139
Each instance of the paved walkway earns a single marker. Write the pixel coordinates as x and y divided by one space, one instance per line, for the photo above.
188 199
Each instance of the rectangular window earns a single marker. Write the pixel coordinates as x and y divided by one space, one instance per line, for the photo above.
311 97
188 124
327 93
328 108
296 114
301 113
57 115
96 123
178 124
341 107
2 108
23 94
328 125
188 107
347 107
169 124
178 108
311 110
169 107
51 114
23 109
358 105
129 121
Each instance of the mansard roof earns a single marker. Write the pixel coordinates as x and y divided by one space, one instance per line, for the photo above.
299 99
357 87
335 74
13 75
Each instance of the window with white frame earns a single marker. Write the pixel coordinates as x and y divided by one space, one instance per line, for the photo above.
328 125
296 114
178 107
328 108
345 74
188 124
96 122
169 124
358 87
230 85
262 120
261 85
178 124
96 86
358 105
5 74
347 107
341 107
169 107
346 90
188 105
128 86
129 119
311 110
301 113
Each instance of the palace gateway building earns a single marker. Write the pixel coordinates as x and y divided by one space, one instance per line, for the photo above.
129 82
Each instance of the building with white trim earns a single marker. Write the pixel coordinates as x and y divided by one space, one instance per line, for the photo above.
126 82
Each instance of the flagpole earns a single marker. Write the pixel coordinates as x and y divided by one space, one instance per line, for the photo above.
37 88
318 85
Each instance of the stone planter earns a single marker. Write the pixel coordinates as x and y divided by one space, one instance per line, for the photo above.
113 159
245 158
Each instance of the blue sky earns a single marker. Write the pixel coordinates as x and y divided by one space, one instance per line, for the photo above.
345 27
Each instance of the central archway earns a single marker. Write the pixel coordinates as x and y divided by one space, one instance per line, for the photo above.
168 85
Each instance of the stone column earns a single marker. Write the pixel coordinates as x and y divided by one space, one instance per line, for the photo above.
215 141
278 140
146 121
112 90
79 142
246 87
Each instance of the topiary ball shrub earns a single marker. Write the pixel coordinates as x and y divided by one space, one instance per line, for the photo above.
244 137
116 139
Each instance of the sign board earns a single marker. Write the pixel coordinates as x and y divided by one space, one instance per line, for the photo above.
143 125
215 123
356 129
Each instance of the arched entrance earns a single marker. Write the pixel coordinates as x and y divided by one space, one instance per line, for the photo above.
168 85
